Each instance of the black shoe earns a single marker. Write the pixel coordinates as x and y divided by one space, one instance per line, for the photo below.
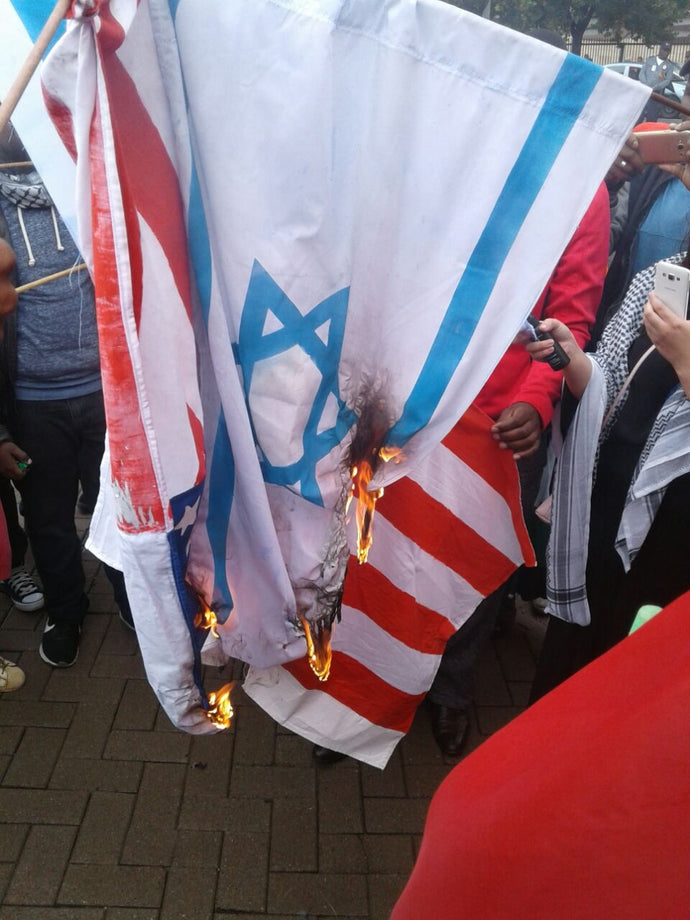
22 590
450 728
324 755
60 643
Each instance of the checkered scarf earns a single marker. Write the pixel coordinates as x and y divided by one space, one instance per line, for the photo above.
25 190
665 456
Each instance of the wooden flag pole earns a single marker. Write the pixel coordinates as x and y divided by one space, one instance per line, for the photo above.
39 281
21 81
17 165
677 106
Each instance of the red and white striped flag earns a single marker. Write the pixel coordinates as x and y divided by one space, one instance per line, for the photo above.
445 537
314 226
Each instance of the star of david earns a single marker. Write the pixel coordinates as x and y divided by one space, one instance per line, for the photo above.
319 334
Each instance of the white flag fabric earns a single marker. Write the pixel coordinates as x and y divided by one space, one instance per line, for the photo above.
19 28
314 226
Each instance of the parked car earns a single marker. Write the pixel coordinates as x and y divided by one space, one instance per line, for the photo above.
675 91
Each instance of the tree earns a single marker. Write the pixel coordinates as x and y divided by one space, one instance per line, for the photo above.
650 20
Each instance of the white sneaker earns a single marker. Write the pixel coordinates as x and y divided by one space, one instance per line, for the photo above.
22 590
11 676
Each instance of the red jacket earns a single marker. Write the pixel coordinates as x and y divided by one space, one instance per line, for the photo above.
572 296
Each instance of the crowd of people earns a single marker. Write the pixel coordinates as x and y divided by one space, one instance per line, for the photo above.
618 515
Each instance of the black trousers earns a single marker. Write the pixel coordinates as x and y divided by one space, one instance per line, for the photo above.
65 439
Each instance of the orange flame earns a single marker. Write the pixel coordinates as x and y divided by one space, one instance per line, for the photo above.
220 710
319 653
366 505
391 453
206 618
366 501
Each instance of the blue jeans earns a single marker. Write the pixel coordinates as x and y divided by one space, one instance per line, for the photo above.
65 440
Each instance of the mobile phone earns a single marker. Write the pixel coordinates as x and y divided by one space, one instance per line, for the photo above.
664 146
672 285
558 359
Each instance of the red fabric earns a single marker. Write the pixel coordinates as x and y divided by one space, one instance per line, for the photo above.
572 296
580 808
5 550
651 126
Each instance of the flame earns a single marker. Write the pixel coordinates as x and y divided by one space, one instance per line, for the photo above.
366 505
319 651
391 453
206 618
220 710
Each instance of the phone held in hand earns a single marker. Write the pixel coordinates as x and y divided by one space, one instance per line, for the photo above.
672 285
558 359
664 146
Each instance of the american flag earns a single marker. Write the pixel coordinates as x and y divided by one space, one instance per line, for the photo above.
301 216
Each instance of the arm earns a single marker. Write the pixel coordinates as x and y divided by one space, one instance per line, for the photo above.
572 297
9 452
664 82
577 373
10 457
8 295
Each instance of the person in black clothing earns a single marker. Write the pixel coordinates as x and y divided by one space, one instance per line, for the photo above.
633 469
53 409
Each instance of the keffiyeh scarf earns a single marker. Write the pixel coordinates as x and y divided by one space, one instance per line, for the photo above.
665 457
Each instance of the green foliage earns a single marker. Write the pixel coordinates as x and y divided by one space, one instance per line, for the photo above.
649 20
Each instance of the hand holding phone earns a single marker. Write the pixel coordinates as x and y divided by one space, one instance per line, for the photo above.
672 285
558 359
664 146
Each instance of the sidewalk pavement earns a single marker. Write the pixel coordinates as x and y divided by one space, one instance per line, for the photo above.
109 813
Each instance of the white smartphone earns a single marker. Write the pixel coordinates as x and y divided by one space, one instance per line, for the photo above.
672 285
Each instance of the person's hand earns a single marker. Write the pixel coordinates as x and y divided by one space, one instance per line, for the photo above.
8 295
577 373
671 335
11 457
542 348
518 429
627 164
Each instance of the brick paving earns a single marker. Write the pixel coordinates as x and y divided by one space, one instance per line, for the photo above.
108 813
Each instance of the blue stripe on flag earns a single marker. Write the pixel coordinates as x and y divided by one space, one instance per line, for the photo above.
199 245
34 15
178 539
567 97
221 465
220 495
